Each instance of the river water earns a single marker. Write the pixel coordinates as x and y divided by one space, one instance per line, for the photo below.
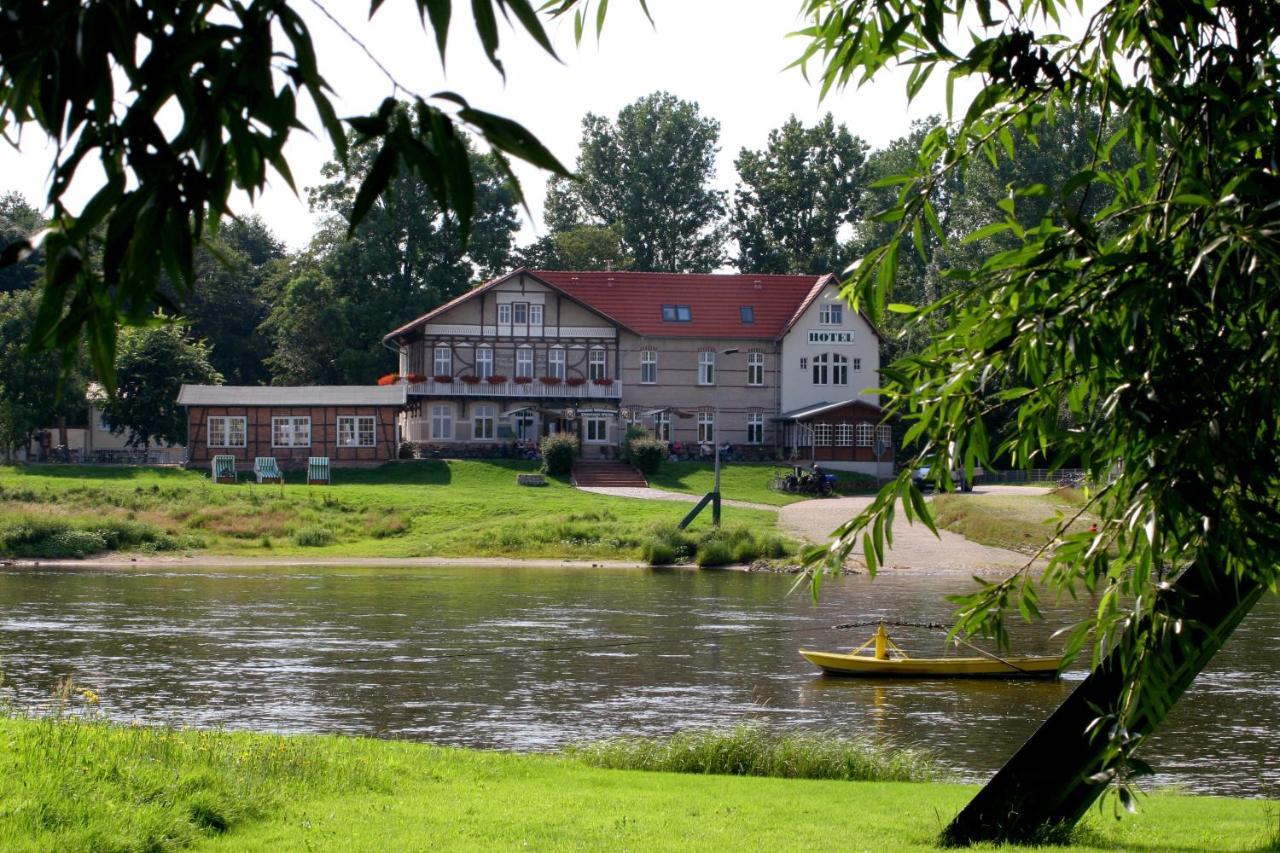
530 658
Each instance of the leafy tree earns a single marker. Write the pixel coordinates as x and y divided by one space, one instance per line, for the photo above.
406 257
645 175
152 364
18 221
583 247
1143 295
33 391
795 196
310 330
94 78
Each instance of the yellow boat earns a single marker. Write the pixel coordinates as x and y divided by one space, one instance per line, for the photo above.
889 661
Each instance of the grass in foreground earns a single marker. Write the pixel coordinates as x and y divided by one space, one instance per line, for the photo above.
67 785
743 481
410 509
754 751
1019 522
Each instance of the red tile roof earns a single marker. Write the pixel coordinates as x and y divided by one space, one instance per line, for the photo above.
635 299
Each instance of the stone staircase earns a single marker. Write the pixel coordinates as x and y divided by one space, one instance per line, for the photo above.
597 473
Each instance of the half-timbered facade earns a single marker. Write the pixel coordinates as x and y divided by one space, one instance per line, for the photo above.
351 425
696 359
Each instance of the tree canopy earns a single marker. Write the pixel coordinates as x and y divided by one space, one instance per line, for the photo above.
646 176
795 196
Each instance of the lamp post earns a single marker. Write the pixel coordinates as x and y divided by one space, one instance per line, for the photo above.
715 492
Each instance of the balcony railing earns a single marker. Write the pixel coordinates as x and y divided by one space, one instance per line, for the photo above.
536 389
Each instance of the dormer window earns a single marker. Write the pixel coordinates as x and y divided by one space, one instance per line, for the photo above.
677 314
831 314
747 313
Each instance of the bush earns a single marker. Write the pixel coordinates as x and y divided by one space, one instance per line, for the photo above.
558 453
658 553
647 454
715 552
312 537
635 431
854 482
60 538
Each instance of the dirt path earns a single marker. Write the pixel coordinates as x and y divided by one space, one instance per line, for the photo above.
650 494
914 546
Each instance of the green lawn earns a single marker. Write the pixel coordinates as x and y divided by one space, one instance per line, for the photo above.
739 481
1021 522
409 509
89 786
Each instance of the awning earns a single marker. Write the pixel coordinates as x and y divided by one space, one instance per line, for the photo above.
806 411
517 410
612 413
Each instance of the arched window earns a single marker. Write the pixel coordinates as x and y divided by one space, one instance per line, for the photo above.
555 362
484 362
597 367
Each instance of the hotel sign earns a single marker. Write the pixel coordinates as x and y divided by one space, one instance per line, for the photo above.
818 336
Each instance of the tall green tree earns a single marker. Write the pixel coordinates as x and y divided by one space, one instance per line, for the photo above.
309 327
405 257
582 247
34 392
646 175
152 364
1151 315
796 196
18 222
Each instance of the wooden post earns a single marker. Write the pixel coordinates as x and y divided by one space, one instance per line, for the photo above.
1045 785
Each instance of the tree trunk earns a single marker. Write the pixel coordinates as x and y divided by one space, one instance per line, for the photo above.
1045 785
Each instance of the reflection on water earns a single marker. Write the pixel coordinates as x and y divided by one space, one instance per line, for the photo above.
450 655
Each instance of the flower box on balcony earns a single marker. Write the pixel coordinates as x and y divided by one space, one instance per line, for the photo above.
524 380
443 379
471 380
414 378
603 380
550 380
575 381
496 380
389 379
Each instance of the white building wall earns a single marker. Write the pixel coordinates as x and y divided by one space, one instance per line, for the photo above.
863 351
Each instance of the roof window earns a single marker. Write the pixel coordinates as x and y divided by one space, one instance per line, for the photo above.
747 313
677 314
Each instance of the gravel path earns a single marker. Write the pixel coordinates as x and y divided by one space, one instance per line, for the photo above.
914 546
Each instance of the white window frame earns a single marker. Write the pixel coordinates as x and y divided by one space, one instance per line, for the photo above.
484 414
844 435
484 362
535 314
223 425
884 432
556 362
504 314
597 424
442 361
524 361
755 369
864 434
597 364
286 427
357 431
706 426
821 372
442 422
831 314
518 309
707 367
649 367
523 425
662 426
755 428
822 435
839 369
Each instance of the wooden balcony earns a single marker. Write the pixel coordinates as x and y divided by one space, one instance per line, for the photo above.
535 390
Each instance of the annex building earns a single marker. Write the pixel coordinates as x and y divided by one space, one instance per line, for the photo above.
770 364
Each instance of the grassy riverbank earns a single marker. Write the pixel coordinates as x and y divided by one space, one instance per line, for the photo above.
1019 522
412 509
68 785
744 481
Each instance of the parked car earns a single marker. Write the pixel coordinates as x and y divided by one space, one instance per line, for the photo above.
923 481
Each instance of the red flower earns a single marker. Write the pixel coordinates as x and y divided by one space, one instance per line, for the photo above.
550 380
575 381
443 379
470 380
497 379
389 379
602 380
523 380
415 377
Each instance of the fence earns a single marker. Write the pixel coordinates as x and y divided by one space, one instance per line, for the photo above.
1037 476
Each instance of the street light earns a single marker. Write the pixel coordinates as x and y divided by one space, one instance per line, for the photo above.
715 493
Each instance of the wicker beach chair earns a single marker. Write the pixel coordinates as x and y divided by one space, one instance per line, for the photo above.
318 471
266 470
224 469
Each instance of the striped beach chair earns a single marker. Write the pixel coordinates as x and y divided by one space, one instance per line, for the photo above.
318 471
266 470
224 469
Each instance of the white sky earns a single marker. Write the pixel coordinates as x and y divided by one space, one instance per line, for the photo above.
727 55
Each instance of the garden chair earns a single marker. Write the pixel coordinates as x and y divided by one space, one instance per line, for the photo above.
266 470
318 471
224 469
